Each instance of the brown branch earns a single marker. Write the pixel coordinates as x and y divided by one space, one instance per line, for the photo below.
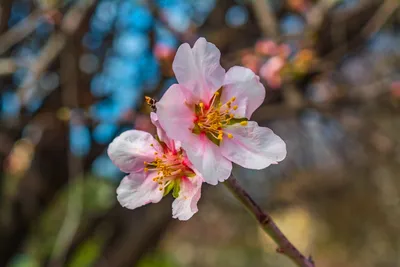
70 98
268 225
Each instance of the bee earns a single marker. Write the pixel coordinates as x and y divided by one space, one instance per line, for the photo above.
151 102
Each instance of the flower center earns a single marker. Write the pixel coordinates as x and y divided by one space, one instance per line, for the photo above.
170 168
212 120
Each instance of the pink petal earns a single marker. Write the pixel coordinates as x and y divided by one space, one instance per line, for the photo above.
270 71
185 206
172 145
175 117
137 190
252 146
243 84
198 70
266 47
129 150
206 157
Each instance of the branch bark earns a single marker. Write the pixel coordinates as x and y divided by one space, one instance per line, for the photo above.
268 225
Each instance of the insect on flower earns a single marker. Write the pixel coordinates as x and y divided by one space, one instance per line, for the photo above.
156 167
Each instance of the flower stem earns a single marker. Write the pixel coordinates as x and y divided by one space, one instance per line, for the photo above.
268 225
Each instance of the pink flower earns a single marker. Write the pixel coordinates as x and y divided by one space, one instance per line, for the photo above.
266 47
270 71
155 169
208 111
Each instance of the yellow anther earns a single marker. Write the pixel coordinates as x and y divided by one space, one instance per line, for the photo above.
151 145
219 137
164 156
220 132
146 169
200 124
243 123
231 115
216 93
156 153
201 104
145 162
230 136
160 188
235 107
233 98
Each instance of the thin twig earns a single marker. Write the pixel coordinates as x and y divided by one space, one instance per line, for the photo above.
19 31
386 10
316 15
266 18
54 46
268 225
7 66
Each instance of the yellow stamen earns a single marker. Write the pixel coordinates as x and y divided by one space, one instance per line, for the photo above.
201 104
243 123
216 93
235 107
146 169
230 136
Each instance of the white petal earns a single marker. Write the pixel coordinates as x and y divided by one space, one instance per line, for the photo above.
172 145
129 150
252 146
185 206
174 116
199 69
243 84
206 157
137 190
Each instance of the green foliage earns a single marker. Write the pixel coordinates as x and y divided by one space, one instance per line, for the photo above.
91 196
87 253
177 189
158 260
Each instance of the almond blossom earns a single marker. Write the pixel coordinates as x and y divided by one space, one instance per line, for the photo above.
271 71
209 112
156 167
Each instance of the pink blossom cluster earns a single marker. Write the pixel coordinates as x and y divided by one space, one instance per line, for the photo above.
273 62
203 126
268 60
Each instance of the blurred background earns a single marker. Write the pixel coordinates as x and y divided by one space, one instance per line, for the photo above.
73 75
